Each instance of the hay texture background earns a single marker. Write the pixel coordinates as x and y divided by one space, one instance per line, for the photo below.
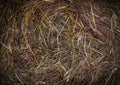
59 42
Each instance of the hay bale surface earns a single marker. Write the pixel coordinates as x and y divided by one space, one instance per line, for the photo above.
65 42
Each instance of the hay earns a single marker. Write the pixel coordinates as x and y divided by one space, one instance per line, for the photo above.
61 42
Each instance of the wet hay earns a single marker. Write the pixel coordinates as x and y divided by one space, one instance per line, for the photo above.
59 42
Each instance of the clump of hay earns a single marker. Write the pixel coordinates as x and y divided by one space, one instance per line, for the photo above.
69 42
